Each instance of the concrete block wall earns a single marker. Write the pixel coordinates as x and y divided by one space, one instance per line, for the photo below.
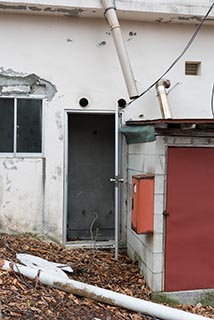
148 249
152 158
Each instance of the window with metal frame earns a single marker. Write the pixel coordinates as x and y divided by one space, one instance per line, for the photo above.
21 126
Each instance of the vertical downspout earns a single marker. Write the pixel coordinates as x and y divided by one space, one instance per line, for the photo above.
111 16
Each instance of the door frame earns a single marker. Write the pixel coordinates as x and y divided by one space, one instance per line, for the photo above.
65 184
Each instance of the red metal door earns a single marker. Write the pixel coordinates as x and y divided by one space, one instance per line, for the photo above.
189 259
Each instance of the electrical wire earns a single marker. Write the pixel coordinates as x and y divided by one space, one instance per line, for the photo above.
179 57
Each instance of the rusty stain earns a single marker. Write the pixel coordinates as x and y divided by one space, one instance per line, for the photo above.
84 292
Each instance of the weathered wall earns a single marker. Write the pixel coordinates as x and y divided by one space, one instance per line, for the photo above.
77 56
21 194
152 158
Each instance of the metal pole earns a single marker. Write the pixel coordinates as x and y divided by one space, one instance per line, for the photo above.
116 181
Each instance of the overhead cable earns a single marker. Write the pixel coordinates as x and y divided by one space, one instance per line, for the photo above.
179 57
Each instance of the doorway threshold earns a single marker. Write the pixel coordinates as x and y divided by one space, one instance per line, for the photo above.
109 244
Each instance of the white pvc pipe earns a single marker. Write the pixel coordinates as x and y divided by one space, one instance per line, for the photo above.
102 295
111 16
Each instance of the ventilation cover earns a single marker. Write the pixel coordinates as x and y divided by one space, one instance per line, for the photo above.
192 68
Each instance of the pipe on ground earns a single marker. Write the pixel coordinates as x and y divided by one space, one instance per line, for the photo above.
161 87
102 295
111 17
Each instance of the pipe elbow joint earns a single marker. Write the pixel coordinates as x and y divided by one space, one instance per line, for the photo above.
163 82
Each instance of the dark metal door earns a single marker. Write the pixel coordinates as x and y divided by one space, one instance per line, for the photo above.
90 167
189 262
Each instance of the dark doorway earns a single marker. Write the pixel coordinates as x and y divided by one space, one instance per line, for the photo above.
90 167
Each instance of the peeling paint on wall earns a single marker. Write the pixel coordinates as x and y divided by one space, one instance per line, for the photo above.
75 12
69 12
9 165
13 7
33 8
30 84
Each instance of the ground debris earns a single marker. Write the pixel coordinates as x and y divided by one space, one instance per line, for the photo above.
21 298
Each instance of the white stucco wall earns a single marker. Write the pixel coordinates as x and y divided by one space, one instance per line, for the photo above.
78 57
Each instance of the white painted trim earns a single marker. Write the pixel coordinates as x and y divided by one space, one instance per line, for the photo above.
44 105
65 184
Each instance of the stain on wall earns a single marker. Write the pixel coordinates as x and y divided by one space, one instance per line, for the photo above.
101 44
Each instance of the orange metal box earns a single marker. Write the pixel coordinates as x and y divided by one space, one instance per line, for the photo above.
143 203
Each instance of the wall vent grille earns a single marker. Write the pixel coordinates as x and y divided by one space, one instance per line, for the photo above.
192 68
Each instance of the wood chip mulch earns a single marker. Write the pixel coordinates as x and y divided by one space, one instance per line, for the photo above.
21 298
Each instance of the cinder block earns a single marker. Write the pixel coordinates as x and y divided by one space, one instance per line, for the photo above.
200 141
160 146
157 280
158 223
159 184
169 140
157 263
183 140
159 204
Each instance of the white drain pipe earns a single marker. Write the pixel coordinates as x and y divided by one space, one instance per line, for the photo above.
111 16
161 87
102 295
